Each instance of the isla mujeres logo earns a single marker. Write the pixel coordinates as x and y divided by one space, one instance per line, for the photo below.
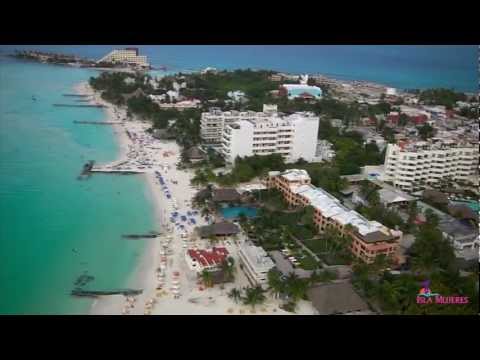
426 296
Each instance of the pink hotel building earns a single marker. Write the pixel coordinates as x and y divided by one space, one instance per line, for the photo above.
370 238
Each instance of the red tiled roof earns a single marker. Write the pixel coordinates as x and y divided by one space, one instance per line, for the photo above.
209 257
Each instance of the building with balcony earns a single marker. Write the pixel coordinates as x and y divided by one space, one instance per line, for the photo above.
369 238
256 263
127 56
213 122
249 133
414 166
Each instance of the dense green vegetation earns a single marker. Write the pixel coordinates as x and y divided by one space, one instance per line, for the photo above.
331 247
445 97
273 230
426 131
255 84
116 84
351 153
432 259
247 168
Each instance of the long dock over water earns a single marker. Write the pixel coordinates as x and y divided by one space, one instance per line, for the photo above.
97 122
96 293
106 170
76 95
81 105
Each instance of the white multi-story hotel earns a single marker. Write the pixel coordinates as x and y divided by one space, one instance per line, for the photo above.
412 166
256 263
261 133
128 55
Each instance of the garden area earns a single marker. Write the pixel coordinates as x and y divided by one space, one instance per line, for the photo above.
331 247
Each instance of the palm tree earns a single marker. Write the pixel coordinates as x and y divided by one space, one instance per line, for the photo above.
228 268
296 287
235 295
275 283
205 211
207 278
380 263
254 296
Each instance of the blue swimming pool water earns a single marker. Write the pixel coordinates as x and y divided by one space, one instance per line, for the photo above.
472 204
234 212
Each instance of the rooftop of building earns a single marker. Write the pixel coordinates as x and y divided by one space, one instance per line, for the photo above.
336 298
257 256
331 207
209 257
293 174
436 143
225 194
393 196
457 228
218 229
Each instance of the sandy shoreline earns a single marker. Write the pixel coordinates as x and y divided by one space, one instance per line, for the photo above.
139 277
168 251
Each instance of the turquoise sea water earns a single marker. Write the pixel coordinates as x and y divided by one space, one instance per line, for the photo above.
402 66
54 227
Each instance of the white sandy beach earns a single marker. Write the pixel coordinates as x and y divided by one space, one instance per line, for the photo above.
163 156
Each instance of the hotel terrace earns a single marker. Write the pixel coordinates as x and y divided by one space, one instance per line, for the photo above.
369 238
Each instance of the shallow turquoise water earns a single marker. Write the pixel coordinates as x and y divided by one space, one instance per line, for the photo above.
234 212
54 227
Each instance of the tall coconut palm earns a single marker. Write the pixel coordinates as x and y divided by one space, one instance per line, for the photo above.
228 268
207 278
235 295
254 296
205 211
296 287
275 282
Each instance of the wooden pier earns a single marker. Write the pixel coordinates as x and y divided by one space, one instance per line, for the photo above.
97 293
108 170
97 122
80 105
76 95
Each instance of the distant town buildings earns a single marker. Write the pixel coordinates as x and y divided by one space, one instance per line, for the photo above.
237 96
324 151
369 238
180 105
391 91
256 263
412 166
261 133
302 91
127 56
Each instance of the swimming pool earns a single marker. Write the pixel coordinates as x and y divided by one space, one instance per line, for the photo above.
234 212
472 204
